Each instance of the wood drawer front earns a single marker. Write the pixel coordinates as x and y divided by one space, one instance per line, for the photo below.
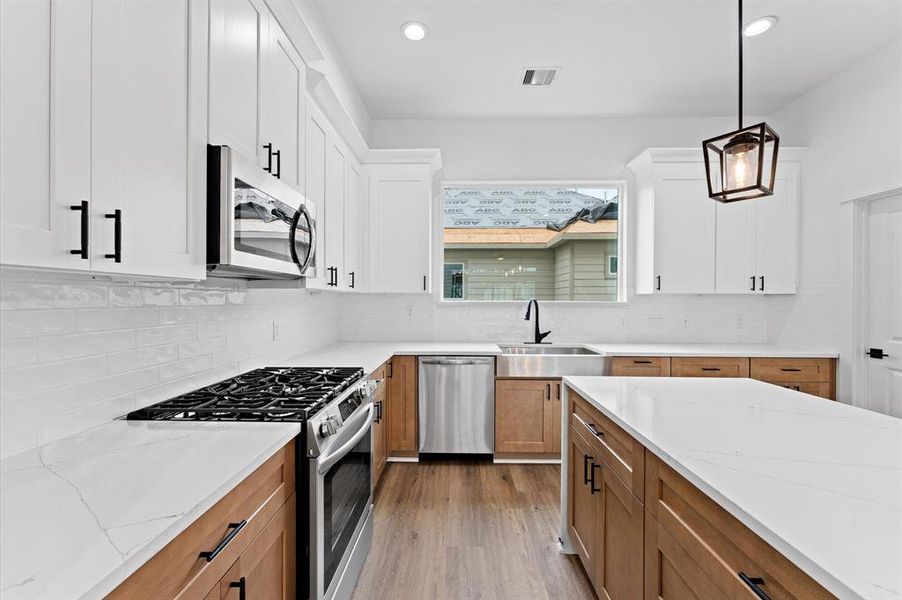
709 367
687 522
815 388
640 366
616 448
381 372
793 369
177 571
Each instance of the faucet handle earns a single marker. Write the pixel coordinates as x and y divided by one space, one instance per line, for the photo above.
544 334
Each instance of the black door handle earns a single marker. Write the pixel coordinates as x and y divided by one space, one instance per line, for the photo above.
278 155
116 215
753 283
754 583
85 222
424 283
234 529
761 277
268 167
241 584
877 353
352 279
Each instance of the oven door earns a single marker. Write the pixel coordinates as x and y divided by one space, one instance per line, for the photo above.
341 503
261 226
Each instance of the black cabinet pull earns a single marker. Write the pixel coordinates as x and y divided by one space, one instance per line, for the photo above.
268 167
278 155
85 222
753 284
378 407
710 368
754 583
424 283
593 430
762 283
641 362
116 215
235 528
548 392
241 584
586 459
658 283
789 370
592 479
352 279
877 353
388 366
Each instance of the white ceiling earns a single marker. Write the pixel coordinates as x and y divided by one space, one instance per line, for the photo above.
618 58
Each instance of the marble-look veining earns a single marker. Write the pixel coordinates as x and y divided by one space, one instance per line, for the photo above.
81 514
820 481
751 350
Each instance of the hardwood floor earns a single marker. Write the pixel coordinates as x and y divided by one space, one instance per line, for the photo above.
466 530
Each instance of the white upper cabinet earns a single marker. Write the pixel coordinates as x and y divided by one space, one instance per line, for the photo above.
45 117
399 205
148 142
316 134
284 108
675 227
120 125
757 240
334 217
352 232
239 46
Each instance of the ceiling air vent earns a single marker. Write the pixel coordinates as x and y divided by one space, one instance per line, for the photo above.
539 75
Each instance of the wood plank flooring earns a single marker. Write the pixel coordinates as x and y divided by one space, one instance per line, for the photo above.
466 530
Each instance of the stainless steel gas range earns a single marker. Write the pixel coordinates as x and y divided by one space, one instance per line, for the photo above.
334 462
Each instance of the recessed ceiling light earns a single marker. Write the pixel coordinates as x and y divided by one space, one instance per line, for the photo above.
759 26
413 31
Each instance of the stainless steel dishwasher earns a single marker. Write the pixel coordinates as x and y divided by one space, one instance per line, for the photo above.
457 404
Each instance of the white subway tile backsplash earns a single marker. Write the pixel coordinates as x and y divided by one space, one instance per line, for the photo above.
61 347
75 352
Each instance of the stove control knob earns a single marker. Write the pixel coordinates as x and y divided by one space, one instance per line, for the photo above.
328 427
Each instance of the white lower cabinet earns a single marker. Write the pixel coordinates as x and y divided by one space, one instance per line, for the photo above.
687 243
122 93
399 208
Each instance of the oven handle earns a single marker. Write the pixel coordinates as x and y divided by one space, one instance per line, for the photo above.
324 463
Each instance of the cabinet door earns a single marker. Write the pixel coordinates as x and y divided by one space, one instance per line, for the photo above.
315 158
283 112
267 566
239 43
683 236
735 254
148 145
335 198
619 541
523 416
400 224
402 406
352 225
45 132
670 573
776 236
581 503
554 407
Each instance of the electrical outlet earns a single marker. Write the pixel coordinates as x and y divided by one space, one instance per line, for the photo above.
409 310
686 323
739 322
623 323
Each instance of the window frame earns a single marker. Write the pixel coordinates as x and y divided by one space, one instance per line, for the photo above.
622 235
463 280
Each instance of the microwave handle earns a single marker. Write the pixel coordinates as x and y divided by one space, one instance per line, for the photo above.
292 239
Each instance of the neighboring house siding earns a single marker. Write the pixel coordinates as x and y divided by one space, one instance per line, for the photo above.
571 271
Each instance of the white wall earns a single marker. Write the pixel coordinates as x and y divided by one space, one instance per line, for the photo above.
852 125
550 149
76 352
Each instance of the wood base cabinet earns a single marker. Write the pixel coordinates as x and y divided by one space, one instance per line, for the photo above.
528 416
380 431
402 406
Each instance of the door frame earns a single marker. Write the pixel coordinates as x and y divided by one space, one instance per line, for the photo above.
853 376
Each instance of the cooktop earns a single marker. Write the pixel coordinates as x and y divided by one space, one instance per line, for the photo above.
268 394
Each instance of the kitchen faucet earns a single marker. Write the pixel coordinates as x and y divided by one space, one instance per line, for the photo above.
539 335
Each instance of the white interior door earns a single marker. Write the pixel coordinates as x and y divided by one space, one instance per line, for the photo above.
885 305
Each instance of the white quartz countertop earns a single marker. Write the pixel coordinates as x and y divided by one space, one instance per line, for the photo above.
78 516
820 481
370 355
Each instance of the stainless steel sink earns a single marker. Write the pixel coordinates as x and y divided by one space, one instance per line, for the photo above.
549 361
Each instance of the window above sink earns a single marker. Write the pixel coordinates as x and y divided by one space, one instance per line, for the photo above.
512 241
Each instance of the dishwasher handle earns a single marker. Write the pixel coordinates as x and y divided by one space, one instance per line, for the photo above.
453 362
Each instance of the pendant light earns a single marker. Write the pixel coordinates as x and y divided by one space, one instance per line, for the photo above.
741 164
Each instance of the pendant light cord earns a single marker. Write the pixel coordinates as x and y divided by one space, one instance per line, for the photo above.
740 64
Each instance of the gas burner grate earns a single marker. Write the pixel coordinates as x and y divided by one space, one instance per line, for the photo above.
267 394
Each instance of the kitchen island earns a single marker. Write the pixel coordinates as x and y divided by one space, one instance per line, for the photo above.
819 482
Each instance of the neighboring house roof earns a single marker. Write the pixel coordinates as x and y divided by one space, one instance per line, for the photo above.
473 207
522 237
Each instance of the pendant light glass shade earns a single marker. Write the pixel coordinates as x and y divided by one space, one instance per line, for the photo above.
741 164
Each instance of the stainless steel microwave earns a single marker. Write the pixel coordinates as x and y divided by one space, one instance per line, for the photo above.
258 227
